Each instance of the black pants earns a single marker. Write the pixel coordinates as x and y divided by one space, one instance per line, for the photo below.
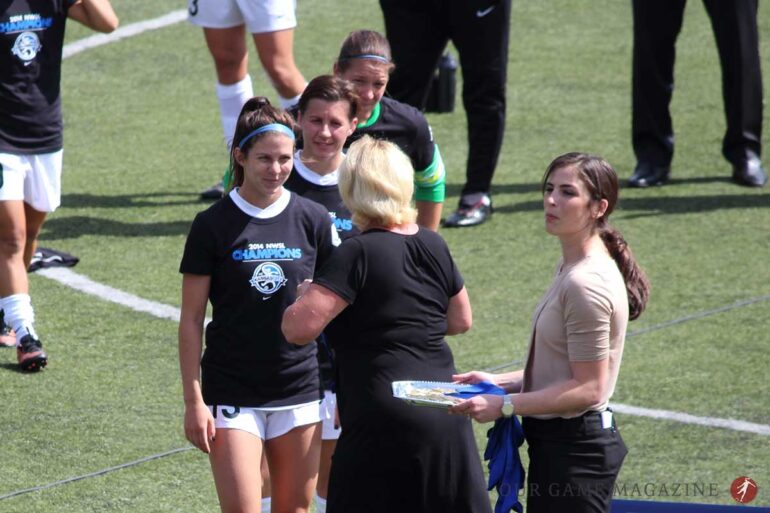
656 27
573 464
418 31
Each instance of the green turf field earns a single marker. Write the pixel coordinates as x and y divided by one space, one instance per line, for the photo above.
143 138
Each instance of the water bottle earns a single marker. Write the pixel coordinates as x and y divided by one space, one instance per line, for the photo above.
441 97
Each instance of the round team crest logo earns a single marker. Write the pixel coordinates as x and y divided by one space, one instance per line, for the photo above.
26 46
267 278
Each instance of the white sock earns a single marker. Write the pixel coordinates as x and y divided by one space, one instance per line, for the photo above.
288 102
19 315
320 504
231 99
266 504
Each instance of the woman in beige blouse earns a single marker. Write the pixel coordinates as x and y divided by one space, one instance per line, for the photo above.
576 346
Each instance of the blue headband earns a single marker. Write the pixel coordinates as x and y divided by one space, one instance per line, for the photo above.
366 56
272 127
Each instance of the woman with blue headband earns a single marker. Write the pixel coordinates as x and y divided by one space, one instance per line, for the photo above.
365 61
246 254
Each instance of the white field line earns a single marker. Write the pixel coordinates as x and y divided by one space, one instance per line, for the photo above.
84 284
686 418
131 30
79 282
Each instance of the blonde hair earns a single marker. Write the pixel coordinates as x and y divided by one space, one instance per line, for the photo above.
376 183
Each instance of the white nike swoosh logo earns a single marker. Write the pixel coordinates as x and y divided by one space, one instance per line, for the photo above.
483 12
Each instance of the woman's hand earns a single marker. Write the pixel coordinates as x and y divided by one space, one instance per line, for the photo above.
473 377
481 408
199 425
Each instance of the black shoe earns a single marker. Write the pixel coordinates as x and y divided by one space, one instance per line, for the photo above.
214 192
750 172
473 210
30 355
647 174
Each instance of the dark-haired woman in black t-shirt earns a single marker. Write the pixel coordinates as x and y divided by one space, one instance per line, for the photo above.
393 293
252 392
364 60
31 139
326 115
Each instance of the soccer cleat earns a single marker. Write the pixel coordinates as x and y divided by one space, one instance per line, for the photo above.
472 212
214 192
30 354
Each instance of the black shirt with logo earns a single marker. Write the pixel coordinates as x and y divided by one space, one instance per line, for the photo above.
403 125
329 197
255 266
31 41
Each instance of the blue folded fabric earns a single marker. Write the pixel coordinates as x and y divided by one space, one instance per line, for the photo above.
506 473
482 387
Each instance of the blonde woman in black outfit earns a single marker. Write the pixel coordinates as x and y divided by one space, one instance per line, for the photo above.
394 293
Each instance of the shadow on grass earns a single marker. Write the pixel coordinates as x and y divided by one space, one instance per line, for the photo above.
78 226
454 189
154 199
12 367
653 206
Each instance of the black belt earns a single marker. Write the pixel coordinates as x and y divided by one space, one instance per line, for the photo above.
561 425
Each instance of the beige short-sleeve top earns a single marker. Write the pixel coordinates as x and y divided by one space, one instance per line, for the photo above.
582 317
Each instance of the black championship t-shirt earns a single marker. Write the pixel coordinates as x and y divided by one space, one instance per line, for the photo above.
327 195
31 38
255 266
403 125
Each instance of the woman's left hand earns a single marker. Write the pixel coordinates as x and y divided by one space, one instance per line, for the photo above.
482 408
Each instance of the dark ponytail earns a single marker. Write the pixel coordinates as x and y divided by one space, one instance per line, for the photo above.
637 285
602 183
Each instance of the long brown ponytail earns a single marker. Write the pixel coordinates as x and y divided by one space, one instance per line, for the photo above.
602 183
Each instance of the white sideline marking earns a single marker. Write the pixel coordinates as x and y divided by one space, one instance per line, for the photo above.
686 418
82 283
131 30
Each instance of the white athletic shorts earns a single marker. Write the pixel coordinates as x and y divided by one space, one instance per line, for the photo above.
258 15
328 407
35 179
266 423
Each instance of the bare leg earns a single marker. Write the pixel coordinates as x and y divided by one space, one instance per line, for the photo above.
294 459
327 450
276 52
228 48
35 220
234 461
13 237
265 471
